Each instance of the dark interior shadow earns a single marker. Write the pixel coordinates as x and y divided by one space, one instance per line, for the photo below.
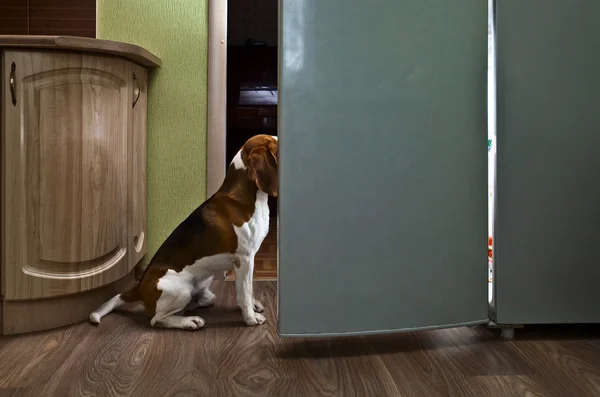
356 346
556 332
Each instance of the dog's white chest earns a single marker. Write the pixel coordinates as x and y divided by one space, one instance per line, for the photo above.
252 233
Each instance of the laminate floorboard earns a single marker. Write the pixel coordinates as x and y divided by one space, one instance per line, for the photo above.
123 356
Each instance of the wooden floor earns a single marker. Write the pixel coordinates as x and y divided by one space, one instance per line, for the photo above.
123 356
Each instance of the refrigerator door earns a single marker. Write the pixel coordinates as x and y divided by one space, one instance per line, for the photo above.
547 220
383 166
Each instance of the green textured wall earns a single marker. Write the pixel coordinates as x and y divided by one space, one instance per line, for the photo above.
175 31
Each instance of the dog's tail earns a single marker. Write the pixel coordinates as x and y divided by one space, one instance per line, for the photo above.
133 295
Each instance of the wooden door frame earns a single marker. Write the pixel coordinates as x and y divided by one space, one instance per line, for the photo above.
216 120
217 95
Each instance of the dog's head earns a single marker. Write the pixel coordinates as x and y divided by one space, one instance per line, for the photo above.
261 160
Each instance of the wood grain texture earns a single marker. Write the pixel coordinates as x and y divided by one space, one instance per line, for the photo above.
125 357
66 179
83 44
69 4
62 17
48 17
73 200
34 315
14 17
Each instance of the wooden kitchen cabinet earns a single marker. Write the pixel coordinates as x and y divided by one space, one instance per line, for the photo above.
73 130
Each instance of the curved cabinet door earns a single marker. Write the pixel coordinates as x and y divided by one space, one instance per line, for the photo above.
382 201
65 162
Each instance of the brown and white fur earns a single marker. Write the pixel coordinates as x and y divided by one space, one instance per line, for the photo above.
225 232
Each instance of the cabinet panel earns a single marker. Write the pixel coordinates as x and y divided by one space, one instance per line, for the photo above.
66 173
137 164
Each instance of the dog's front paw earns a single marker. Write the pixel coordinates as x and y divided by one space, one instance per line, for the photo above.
256 319
258 307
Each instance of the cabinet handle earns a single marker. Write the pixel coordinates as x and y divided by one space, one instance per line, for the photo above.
136 90
12 82
138 242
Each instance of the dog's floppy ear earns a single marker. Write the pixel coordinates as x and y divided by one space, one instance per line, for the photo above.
263 168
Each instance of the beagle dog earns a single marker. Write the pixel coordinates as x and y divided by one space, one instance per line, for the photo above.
225 232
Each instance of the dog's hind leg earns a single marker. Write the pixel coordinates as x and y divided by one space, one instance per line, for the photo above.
202 296
176 293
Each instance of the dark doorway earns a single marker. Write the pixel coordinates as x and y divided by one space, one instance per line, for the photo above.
252 38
